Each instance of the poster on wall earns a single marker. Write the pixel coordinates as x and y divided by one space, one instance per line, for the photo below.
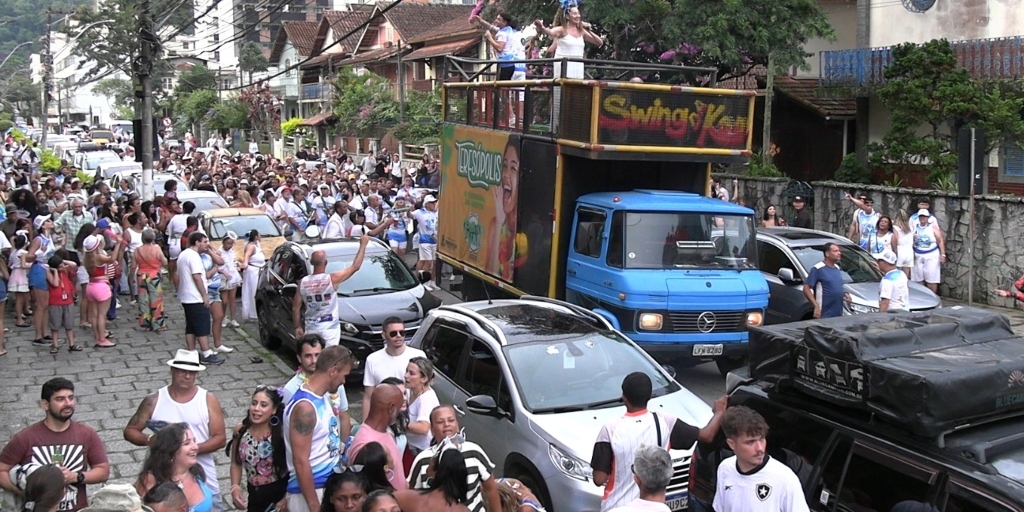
478 206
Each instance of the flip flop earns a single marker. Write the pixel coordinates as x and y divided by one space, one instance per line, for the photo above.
54 351
75 348
3 352
22 325
105 344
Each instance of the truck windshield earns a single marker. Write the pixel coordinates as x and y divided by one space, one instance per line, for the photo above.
656 240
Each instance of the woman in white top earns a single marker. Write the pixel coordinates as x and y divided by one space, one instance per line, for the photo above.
571 35
884 238
422 399
252 261
229 286
904 242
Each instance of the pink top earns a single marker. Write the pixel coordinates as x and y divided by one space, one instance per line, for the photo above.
366 435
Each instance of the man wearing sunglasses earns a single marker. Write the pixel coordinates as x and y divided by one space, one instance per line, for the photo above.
390 361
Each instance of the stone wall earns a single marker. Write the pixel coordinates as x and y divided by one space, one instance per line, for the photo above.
999 227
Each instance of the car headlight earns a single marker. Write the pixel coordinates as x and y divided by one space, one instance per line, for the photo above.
650 321
862 308
350 328
755 318
570 466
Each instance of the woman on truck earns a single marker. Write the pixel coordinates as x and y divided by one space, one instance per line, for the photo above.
502 250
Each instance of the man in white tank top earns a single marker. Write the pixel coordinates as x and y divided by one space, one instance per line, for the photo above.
319 292
182 401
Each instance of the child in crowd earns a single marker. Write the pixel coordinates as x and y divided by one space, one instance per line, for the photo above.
18 284
61 277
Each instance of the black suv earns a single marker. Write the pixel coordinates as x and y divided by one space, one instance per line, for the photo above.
852 458
382 287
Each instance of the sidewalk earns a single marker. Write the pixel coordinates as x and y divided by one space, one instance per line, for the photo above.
110 383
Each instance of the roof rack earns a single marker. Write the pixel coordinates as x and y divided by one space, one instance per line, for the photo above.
573 307
481 320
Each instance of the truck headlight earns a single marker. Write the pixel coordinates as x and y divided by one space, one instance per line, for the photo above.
650 321
861 308
570 466
755 318
350 328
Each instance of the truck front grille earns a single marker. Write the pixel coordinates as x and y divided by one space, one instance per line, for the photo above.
691 322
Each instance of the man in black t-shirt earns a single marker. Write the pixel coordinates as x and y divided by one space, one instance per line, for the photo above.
802 219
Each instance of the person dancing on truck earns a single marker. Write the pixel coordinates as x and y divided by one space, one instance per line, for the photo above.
503 254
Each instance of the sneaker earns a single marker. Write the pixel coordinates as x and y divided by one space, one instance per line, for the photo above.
223 323
211 359
223 349
118 304
234 323
40 342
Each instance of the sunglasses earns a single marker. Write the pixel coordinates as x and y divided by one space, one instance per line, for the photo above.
355 468
395 334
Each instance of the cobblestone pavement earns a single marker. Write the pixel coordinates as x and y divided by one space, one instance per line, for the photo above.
110 383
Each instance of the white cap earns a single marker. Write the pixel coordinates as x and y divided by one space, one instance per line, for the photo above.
886 256
429 199
923 212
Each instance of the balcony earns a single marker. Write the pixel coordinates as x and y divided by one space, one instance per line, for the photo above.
985 59
321 91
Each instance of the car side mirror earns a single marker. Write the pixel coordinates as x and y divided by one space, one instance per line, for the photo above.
424 276
670 370
483 404
289 290
786 274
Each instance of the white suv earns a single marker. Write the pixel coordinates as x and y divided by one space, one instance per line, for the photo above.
533 380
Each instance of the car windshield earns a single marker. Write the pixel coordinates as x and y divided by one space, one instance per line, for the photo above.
242 225
856 265
378 273
655 240
158 182
579 373
204 202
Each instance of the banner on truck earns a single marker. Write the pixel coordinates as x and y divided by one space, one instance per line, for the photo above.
479 204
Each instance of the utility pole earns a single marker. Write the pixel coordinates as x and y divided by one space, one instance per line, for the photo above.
47 79
143 67
769 91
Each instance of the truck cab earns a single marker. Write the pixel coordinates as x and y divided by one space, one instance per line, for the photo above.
675 271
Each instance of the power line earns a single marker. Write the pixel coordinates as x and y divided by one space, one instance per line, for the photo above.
247 30
335 43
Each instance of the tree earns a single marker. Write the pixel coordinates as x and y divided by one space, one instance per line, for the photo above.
422 118
119 93
195 107
195 78
730 35
364 104
19 91
925 88
229 114
251 59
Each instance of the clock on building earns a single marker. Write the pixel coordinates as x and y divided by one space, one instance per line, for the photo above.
918 5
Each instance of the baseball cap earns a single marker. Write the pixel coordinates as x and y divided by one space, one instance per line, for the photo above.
798 199
886 256
429 199
923 212
103 224
39 220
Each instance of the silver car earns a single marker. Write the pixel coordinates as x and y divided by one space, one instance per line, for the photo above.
786 254
533 380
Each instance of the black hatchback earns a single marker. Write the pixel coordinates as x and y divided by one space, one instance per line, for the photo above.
382 287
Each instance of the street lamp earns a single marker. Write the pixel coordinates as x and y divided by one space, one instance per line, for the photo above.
13 52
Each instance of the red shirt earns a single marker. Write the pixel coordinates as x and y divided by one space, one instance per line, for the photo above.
63 295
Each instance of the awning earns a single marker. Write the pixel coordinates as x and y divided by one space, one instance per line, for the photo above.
317 120
439 50
807 92
322 59
370 56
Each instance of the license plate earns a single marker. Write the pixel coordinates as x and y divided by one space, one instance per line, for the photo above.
708 350
677 501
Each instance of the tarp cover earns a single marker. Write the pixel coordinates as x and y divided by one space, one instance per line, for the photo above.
927 372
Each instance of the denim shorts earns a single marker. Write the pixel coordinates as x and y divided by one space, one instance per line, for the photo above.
37 277
3 290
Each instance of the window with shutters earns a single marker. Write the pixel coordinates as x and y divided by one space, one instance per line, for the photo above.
1011 164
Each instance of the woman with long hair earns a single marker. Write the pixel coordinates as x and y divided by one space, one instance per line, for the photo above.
44 489
232 280
257 451
215 273
252 261
376 465
419 375
884 238
39 253
242 200
381 501
904 242
146 265
771 218
173 457
99 264
345 491
447 488
85 307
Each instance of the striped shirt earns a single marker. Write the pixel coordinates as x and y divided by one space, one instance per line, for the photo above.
478 466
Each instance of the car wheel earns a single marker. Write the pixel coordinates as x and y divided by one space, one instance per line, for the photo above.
728 364
266 338
535 484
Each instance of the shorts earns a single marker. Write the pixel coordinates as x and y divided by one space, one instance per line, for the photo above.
3 291
905 258
297 503
19 280
197 319
37 277
173 250
428 252
98 291
213 294
83 275
62 317
506 72
927 268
